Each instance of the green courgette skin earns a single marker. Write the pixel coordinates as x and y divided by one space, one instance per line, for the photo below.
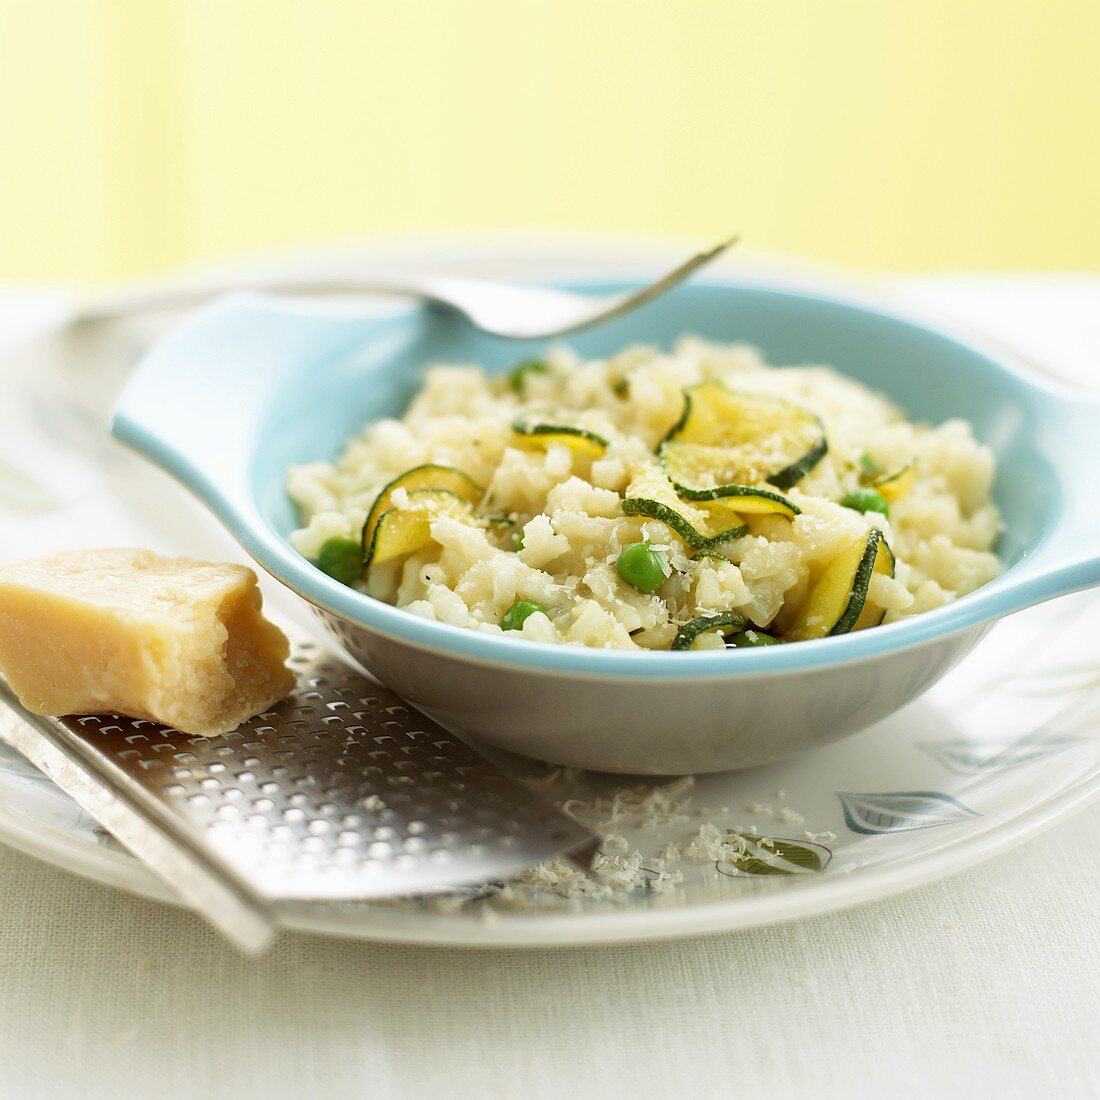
370 546
723 492
522 426
517 376
893 565
640 506
450 478
374 534
712 554
860 583
781 479
796 471
685 637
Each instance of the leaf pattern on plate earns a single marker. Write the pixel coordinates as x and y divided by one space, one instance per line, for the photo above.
972 757
773 855
899 811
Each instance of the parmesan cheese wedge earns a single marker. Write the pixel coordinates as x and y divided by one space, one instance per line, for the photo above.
176 641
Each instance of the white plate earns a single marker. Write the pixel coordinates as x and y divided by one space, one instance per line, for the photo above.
1001 749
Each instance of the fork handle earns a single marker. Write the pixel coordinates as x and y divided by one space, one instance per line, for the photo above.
169 294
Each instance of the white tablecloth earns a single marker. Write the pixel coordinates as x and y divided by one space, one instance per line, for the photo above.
985 985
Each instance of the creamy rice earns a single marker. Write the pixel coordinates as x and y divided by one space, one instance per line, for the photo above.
567 504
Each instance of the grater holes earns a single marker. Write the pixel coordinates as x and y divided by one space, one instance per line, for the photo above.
341 784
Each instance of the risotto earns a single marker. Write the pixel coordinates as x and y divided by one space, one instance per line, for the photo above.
690 499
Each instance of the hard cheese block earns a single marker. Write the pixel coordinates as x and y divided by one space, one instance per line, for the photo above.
173 640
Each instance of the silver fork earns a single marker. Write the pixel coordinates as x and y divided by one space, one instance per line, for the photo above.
511 311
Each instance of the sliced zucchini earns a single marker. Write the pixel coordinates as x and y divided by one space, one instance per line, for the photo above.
883 565
399 532
869 469
729 622
895 484
540 429
728 438
751 639
651 494
695 537
421 477
517 376
837 601
748 500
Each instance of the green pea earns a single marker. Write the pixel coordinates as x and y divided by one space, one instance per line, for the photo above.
866 500
519 613
517 541
642 567
518 374
341 559
750 639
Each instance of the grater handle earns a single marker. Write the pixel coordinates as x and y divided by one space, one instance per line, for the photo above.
341 793
210 889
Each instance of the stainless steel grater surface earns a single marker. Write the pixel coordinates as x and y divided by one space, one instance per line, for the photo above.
341 792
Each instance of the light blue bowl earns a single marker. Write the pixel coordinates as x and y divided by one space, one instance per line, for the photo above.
250 386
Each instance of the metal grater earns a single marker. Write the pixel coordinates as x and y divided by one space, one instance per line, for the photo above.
342 792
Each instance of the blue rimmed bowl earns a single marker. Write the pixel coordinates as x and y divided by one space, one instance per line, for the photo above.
251 385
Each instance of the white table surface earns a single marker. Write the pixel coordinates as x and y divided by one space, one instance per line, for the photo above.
984 985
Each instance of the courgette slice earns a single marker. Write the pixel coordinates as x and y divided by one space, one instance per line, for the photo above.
728 438
421 477
696 537
751 639
869 469
714 555
729 622
883 566
399 532
837 601
895 484
540 429
748 500
651 494
517 376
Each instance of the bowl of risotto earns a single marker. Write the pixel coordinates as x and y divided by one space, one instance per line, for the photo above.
744 521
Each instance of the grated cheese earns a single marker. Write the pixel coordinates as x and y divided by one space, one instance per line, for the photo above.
651 806
620 872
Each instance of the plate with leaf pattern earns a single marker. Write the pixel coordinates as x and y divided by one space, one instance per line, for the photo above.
1003 747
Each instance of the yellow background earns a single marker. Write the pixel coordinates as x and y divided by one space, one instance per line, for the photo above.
918 134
